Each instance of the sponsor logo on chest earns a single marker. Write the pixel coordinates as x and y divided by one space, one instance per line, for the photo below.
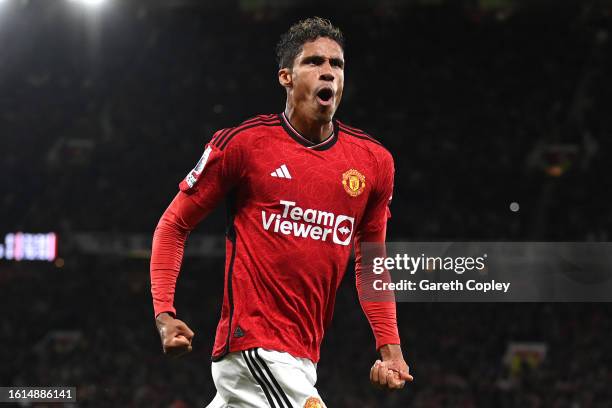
309 223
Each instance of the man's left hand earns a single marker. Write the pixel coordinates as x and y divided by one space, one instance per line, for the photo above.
392 372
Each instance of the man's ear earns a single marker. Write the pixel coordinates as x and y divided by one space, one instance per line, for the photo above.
285 77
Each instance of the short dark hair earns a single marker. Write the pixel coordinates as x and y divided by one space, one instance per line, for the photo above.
291 43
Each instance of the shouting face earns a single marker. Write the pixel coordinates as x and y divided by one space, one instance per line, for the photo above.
315 82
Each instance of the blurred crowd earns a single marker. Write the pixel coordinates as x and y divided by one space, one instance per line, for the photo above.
90 325
100 118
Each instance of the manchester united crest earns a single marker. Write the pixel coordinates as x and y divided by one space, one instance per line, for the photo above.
353 182
313 402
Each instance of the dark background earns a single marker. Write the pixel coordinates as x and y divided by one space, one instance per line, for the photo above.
104 110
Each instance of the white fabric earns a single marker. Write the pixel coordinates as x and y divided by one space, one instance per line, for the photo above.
241 378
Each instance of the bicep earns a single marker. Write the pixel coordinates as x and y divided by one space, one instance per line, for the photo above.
184 212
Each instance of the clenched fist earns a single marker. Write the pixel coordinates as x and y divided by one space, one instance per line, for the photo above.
392 372
175 335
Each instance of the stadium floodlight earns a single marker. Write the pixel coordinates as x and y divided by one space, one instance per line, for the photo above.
88 2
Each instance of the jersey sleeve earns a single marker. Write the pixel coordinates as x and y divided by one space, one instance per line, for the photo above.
217 171
381 313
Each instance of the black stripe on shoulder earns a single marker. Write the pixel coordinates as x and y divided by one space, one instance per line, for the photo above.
358 134
237 130
260 117
354 129
219 135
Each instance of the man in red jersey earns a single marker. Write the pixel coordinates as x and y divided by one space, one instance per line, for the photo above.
302 188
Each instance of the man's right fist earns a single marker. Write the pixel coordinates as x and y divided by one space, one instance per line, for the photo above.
175 335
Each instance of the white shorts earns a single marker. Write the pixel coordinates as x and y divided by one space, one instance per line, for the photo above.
259 378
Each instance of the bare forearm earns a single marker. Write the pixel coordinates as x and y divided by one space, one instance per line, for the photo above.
391 352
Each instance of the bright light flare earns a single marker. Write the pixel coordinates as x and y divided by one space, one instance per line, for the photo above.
91 3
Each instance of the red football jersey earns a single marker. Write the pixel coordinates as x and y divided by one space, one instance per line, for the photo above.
295 209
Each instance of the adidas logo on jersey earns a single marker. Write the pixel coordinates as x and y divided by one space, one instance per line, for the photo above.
281 172
309 223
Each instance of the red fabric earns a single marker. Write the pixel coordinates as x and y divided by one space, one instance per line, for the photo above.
167 254
291 232
380 314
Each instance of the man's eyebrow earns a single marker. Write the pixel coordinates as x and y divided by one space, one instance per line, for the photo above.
337 61
313 58
319 59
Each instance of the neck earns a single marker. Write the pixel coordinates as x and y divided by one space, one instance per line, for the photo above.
311 129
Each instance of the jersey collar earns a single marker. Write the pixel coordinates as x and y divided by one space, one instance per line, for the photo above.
295 135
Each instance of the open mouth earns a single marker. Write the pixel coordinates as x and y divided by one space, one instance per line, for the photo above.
325 96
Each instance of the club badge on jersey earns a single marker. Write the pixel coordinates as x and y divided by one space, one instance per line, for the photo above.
194 175
353 182
313 402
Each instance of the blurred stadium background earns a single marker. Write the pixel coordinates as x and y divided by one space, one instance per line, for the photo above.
105 106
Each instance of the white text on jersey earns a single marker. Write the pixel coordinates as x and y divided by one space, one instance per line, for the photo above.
309 223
